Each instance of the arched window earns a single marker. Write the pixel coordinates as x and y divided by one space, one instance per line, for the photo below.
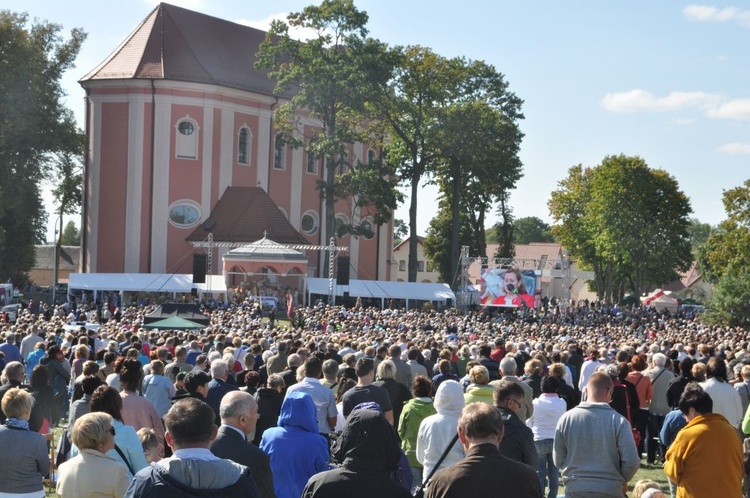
371 156
342 159
186 138
244 145
279 152
312 163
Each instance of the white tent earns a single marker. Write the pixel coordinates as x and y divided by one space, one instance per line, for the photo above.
144 282
383 290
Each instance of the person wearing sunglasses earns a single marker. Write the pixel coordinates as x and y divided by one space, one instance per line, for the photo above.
92 472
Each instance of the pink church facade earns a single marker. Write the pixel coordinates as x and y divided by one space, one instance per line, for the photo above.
177 115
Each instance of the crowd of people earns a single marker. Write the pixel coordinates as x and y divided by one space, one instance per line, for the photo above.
376 402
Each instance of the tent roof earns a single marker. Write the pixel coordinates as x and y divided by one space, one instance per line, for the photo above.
387 289
186 311
174 323
144 282
265 249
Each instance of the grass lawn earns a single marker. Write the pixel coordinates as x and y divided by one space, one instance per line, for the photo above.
653 472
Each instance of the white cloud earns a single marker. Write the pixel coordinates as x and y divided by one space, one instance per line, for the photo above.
642 101
706 13
684 121
302 34
733 109
734 148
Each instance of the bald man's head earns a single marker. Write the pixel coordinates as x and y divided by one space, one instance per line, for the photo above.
599 388
239 410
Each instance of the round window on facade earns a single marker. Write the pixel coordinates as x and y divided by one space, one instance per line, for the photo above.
184 215
309 223
367 228
186 128
342 225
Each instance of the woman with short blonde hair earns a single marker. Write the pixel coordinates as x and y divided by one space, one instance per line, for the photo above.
479 390
24 458
92 472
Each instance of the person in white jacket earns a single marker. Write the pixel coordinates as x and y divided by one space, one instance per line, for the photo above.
437 431
548 409
727 401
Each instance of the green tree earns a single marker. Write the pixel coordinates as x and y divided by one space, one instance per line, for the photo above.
505 230
698 233
71 236
730 302
327 78
480 140
531 229
437 241
410 103
33 124
400 231
728 247
632 220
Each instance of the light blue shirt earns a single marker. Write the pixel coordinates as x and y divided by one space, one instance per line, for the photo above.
325 401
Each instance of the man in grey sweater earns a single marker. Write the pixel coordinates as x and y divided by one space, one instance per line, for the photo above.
594 446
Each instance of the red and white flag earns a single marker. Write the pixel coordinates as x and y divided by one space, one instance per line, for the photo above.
289 304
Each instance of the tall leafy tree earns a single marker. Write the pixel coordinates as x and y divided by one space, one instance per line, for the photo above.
71 236
33 124
480 164
699 233
326 78
437 241
531 229
728 247
410 104
505 230
626 221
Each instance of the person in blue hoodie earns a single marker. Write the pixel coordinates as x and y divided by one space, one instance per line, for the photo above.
296 449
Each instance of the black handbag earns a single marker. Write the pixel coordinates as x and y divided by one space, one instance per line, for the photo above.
419 492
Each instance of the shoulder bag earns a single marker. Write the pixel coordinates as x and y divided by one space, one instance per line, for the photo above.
419 492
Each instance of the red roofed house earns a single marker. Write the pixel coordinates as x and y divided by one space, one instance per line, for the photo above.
181 143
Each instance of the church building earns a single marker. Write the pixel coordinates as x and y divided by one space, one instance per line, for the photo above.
181 148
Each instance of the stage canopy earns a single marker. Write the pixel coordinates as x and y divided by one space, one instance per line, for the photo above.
184 311
145 282
384 289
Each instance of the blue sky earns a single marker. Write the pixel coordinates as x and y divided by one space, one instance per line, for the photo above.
668 81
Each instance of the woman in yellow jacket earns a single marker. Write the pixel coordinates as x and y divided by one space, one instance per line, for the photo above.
706 456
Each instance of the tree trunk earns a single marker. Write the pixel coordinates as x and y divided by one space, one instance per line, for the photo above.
455 223
413 242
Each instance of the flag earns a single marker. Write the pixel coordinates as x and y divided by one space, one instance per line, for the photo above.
289 305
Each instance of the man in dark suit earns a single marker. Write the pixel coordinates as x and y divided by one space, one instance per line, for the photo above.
239 412
484 471
218 386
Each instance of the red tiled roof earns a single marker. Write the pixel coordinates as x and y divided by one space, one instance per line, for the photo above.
247 214
691 276
178 44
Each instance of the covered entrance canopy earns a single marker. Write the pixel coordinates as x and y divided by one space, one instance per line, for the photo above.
384 290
